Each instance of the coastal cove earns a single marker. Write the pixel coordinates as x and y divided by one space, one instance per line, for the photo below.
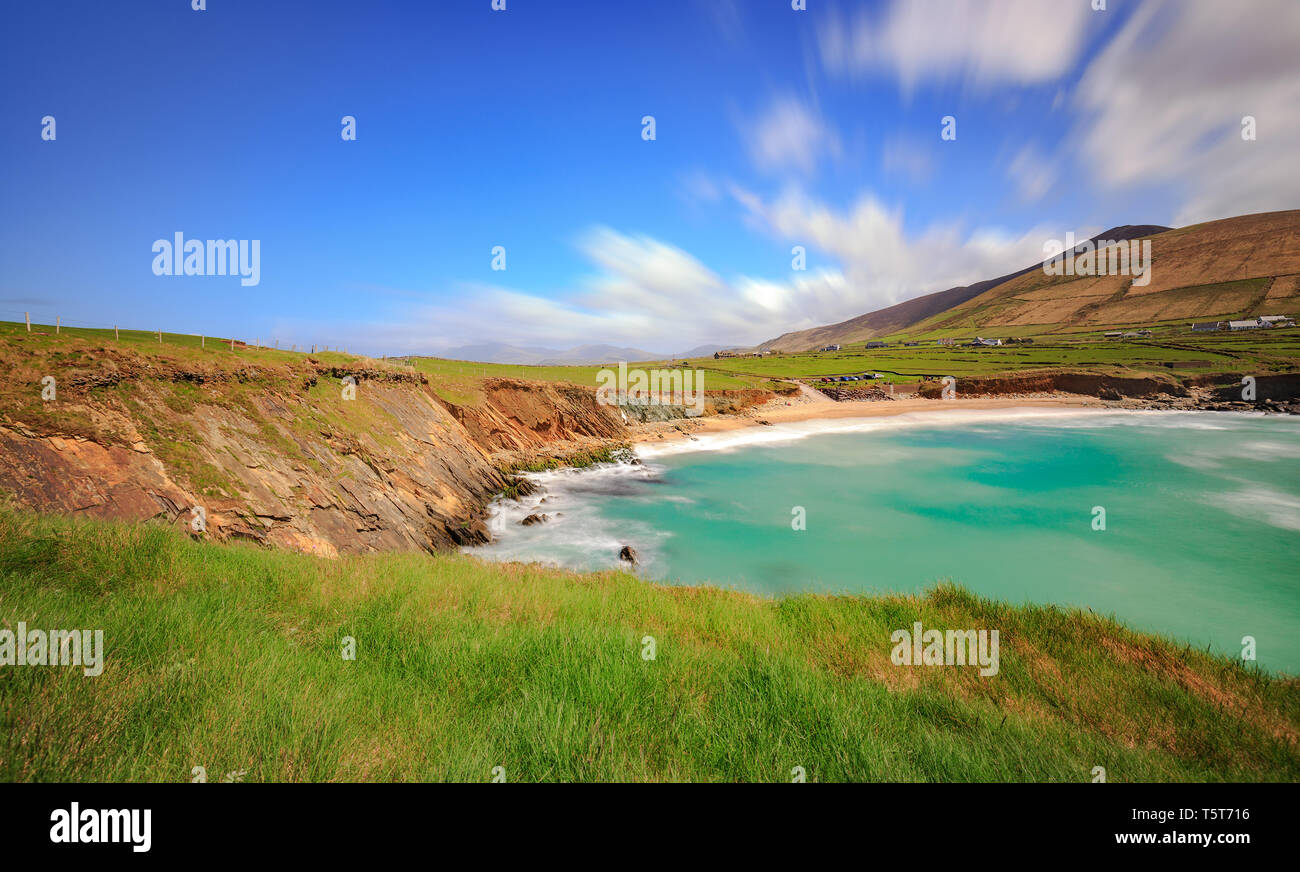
1201 514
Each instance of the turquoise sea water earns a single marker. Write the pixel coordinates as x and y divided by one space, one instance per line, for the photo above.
1202 515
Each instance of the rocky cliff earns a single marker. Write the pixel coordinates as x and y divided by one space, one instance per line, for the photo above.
298 452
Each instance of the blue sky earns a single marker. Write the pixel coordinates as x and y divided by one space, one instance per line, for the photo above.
522 128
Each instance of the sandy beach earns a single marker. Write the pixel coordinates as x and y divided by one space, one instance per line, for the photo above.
811 405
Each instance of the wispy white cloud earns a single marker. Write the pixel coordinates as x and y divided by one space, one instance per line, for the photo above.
1163 102
726 16
641 292
882 263
982 42
790 135
647 293
1032 173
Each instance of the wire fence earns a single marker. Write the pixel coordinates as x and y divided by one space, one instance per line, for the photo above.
47 323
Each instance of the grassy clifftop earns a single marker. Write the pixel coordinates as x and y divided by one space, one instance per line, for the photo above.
230 657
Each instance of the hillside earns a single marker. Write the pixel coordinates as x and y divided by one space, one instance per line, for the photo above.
231 658
1236 267
268 443
1248 265
900 316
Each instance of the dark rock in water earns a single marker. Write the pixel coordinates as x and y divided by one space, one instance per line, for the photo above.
473 532
628 554
535 519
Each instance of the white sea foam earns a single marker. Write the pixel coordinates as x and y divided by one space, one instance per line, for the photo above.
1265 450
577 535
949 418
1263 504
1202 460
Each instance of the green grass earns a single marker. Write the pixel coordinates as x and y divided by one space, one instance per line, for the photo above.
229 657
1262 352
577 459
459 381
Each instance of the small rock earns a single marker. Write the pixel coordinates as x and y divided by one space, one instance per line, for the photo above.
628 554
535 519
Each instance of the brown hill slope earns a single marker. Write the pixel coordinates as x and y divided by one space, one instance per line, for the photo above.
1247 265
1240 266
899 316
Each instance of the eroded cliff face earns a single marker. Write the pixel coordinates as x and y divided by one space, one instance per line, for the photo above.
1088 384
1274 392
280 455
517 415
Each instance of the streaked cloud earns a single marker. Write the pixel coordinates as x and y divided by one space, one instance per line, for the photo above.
790 135
882 263
1162 103
1032 173
982 42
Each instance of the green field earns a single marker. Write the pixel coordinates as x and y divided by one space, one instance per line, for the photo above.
459 379
231 658
1259 351
461 382
455 381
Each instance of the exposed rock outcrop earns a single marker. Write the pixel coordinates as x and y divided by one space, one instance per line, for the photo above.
279 454
1278 392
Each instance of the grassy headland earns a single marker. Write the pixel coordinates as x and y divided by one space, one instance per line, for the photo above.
230 658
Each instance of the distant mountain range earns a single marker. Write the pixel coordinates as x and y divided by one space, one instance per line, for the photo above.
582 355
1247 265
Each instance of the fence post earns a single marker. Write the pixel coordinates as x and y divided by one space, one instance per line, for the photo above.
160 336
116 335
232 343
29 321
203 342
58 324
